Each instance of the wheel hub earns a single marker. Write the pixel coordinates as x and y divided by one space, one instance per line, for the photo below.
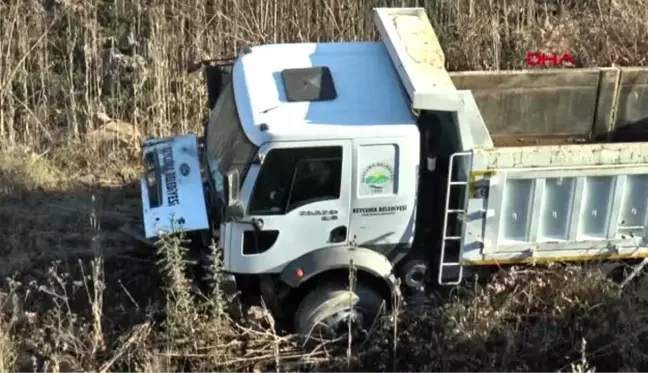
337 324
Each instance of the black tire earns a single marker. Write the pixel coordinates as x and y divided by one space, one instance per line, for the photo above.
331 300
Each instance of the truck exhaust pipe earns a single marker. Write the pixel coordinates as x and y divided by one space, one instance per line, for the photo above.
215 71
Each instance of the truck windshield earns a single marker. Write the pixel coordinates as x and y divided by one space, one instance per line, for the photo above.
227 144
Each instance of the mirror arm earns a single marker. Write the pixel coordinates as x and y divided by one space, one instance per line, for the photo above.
256 223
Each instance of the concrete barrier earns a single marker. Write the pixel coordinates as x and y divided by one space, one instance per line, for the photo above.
590 103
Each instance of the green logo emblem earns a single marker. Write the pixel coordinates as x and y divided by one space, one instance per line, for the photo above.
377 176
376 180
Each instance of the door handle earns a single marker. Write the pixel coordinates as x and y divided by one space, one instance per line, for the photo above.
338 234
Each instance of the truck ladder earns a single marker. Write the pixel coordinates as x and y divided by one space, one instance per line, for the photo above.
443 265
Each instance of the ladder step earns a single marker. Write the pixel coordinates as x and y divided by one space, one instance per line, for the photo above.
445 268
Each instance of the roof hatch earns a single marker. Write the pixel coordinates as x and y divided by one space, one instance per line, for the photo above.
309 84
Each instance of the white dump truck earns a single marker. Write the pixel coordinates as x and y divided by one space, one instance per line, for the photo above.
318 155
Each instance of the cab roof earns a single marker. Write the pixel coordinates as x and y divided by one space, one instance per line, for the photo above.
367 99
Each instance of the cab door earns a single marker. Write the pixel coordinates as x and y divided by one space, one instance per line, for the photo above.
300 196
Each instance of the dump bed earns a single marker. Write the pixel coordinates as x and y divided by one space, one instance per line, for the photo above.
560 106
554 183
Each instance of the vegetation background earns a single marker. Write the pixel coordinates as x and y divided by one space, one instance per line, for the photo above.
83 81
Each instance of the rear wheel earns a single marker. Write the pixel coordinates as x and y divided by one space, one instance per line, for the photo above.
325 312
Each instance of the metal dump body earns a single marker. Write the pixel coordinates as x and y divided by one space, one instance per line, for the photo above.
565 202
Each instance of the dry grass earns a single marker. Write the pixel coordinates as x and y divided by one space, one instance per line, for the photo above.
556 318
78 295
62 74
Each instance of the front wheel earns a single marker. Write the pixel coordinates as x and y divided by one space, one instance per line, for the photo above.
325 312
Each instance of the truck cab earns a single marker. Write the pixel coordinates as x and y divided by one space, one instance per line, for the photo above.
321 159
324 155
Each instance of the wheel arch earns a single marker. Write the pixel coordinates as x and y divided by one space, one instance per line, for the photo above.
332 264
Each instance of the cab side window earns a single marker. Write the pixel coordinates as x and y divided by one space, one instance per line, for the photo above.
294 177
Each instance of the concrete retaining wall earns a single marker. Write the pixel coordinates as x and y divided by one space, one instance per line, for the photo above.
609 103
